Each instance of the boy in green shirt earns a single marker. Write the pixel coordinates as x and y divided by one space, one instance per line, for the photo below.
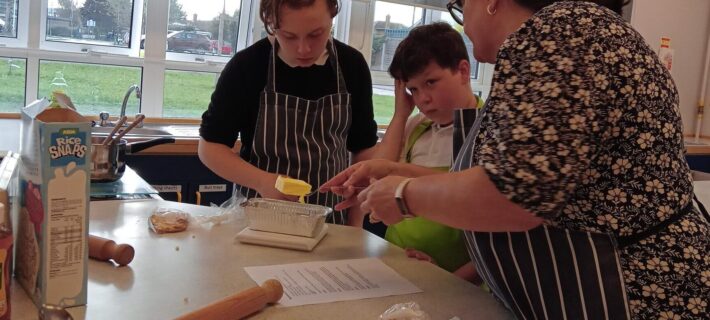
432 71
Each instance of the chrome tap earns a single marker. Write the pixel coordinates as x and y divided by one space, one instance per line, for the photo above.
128 95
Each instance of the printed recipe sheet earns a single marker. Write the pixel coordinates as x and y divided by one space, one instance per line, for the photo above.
329 281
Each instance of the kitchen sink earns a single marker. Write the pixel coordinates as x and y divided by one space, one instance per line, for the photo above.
135 131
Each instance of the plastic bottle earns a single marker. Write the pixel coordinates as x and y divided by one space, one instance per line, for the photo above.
665 53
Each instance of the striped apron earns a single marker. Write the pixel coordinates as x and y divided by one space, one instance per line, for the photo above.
303 139
547 272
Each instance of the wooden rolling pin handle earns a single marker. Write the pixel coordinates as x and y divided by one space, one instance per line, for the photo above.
239 305
105 249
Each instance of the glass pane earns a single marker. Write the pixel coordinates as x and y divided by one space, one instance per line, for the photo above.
203 27
8 18
392 24
12 76
383 105
98 22
92 87
445 16
143 22
187 94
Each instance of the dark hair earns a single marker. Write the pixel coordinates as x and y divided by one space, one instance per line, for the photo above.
437 42
269 10
535 5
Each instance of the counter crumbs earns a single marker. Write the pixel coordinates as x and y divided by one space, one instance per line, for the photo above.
185 300
193 236
177 248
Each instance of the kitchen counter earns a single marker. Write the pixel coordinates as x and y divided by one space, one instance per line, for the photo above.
176 273
187 138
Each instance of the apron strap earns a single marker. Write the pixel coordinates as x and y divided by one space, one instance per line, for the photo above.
330 46
271 74
625 241
463 122
335 63
701 207
418 131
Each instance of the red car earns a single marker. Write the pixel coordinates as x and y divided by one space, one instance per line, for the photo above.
226 47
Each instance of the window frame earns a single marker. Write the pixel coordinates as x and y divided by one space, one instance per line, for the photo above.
133 49
481 83
20 40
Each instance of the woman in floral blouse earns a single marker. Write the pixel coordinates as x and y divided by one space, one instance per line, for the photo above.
573 185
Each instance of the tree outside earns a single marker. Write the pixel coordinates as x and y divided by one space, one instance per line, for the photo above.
102 14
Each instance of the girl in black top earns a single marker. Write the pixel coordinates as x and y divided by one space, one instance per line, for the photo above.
298 100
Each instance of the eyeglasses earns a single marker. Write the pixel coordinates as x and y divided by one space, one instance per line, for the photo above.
455 8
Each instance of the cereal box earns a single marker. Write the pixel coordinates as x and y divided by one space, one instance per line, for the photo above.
51 246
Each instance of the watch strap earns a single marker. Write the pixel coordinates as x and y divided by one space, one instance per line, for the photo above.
399 198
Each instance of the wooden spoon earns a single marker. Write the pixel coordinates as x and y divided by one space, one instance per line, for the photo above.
133 124
118 125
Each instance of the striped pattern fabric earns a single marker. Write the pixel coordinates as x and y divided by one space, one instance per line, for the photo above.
463 122
303 139
551 273
547 272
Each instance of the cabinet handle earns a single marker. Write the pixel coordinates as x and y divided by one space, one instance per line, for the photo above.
179 196
199 197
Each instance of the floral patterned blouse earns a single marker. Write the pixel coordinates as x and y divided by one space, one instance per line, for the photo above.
583 128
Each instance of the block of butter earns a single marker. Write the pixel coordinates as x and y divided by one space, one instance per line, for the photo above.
292 187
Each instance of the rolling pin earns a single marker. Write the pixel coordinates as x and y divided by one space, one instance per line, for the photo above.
239 305
105 249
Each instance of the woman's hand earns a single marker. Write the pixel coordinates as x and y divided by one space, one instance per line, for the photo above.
350 181
267 189
378 199
359 174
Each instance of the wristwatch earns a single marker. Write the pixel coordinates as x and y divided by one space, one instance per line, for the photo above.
399 198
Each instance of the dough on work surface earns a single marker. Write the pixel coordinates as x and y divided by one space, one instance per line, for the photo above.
168 221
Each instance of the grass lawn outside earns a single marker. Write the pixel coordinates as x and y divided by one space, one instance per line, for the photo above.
12 84
92 87
384 108
187 94
95 88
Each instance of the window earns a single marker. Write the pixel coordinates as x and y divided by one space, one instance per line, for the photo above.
208 28
96 49
187 94
8 18
392 23
93 88
12 75
95 22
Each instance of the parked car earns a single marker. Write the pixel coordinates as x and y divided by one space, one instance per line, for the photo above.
189 41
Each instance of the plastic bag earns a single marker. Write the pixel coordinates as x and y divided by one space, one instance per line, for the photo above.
405 311
168 220
227 211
